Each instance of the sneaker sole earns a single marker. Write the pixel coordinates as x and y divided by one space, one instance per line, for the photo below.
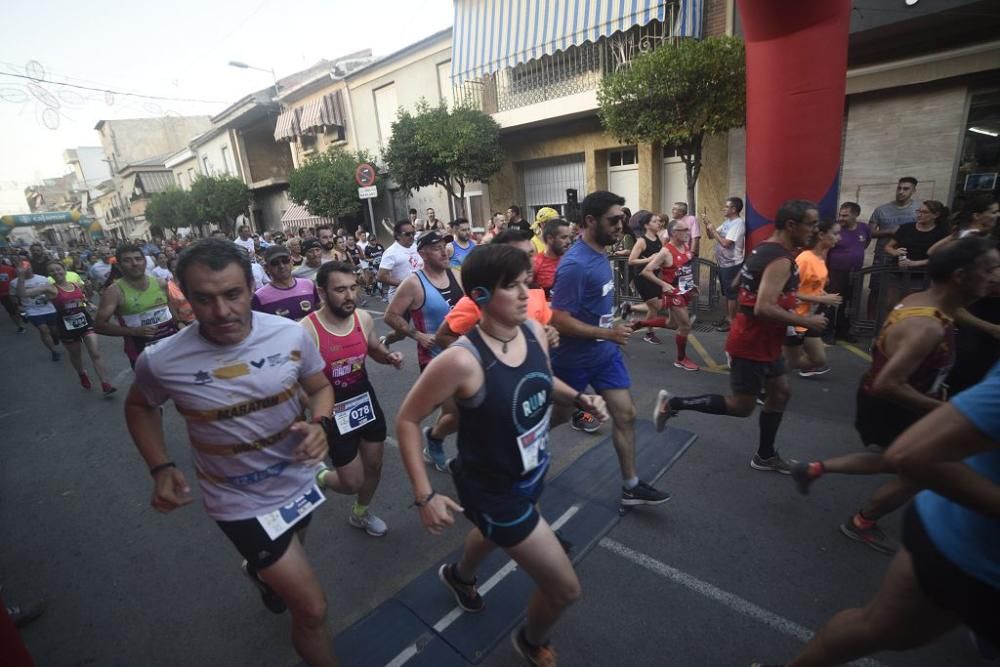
757 466
634 502
458 599
660 418
848 533
652 342
584 429
684 368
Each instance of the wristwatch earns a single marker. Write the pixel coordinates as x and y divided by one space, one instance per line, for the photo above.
329 426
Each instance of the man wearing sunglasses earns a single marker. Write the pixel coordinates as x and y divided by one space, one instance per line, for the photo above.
401 258
286 295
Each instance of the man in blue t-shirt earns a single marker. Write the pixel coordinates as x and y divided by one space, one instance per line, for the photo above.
589 339
948 572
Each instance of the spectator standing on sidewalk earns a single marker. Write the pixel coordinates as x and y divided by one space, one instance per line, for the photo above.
884 222
730 243
845 258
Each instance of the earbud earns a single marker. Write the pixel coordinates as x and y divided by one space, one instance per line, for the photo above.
480 295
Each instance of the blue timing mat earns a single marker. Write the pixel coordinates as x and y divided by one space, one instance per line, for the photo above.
421 625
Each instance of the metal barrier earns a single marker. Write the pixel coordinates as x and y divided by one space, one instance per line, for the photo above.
875 290
706 277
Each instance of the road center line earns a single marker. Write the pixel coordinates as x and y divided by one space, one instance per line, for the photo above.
734 602
487 586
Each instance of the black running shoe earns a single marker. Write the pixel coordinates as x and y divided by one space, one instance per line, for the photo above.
644 494
470 602
271 600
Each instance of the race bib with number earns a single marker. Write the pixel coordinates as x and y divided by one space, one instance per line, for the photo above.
149 318
354 413
606 321
75 321
685 279
280 520
532 444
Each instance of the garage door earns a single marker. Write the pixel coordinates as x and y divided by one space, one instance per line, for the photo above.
546 182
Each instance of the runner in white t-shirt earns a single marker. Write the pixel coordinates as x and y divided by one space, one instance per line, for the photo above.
399 261
241 380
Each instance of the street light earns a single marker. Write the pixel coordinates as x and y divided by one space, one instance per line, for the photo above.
242 65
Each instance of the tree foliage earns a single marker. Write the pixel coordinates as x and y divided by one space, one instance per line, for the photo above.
325 183
676 95
220 199
435 146
172 210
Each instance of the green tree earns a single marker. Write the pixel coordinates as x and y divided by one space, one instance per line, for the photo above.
676 95
220 199
435 146
325 183
172 210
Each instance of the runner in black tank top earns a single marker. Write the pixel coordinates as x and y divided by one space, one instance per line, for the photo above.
645 249
767 296
500 377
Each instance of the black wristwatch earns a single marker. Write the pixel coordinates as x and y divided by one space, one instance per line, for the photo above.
329 426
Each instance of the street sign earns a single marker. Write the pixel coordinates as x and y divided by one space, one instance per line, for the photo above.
369 192
365 176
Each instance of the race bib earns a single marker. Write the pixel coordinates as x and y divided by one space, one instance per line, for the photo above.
685 279
533 443
606 321
280 520
74 321
354 413
150 318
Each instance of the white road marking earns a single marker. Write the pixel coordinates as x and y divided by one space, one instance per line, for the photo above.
487 586
734 602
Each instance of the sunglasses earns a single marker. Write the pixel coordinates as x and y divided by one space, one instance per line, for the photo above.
280 260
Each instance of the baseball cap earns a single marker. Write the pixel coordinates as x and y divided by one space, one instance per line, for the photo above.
545 214
276 251
309 244
428 238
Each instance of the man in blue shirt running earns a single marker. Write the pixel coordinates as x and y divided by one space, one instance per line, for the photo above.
589 351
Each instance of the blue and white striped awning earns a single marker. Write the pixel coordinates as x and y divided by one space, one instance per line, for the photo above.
490 35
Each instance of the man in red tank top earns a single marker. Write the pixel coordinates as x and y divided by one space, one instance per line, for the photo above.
910 361
768 281
676 278
346 337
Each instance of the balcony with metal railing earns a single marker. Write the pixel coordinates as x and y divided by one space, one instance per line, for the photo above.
577 69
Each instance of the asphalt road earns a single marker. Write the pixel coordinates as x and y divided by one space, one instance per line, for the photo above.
737 568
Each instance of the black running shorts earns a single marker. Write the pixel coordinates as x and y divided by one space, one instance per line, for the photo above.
505 518
750 377
947 585
254 544
343 448
878 421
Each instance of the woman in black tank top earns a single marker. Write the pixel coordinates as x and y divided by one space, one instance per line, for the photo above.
499 376
645 249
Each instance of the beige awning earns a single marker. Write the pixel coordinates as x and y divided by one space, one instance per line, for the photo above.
287 127
299 216
328 111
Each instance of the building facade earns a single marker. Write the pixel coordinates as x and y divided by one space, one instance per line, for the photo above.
401 80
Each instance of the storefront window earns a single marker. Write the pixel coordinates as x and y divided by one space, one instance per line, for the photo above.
979 164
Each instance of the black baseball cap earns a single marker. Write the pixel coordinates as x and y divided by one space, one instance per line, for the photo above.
309 244
276 251
428 238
